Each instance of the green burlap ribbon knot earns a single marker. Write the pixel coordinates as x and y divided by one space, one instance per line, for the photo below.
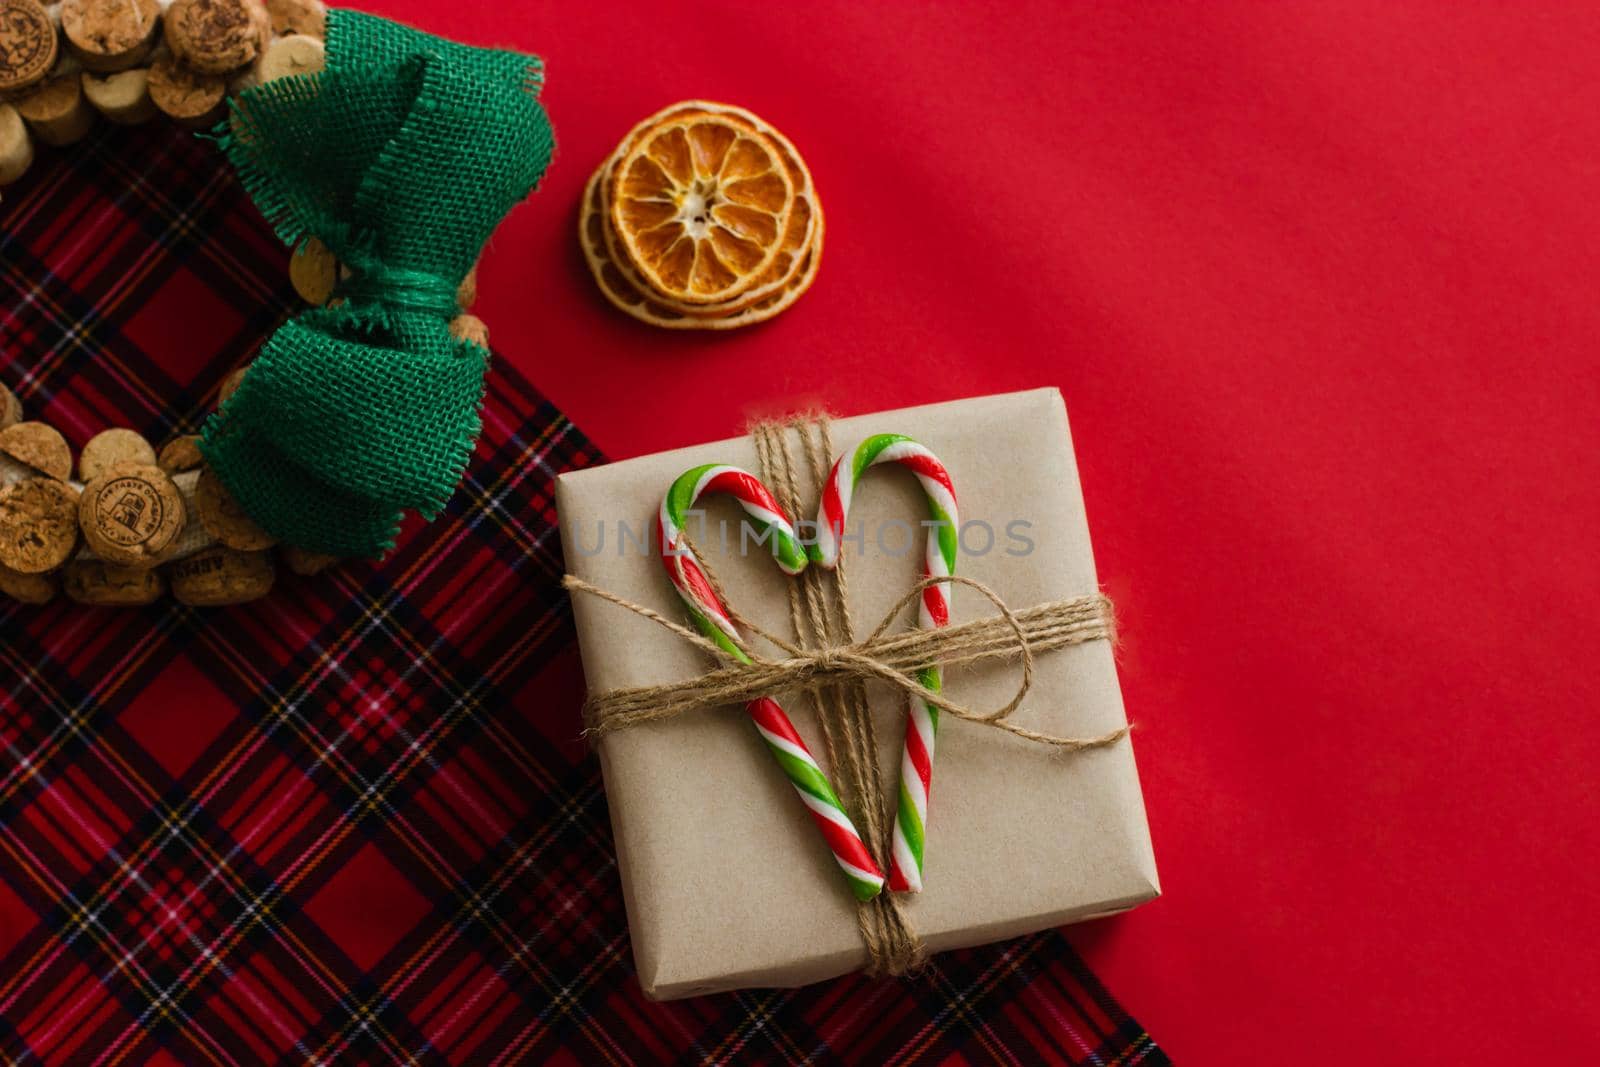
402 157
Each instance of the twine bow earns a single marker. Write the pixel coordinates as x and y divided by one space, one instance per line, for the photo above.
402 157
894 659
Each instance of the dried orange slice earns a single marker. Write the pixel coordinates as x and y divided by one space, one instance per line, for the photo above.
700 205
624 294
797 235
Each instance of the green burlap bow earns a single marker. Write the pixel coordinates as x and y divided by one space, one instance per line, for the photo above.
402 157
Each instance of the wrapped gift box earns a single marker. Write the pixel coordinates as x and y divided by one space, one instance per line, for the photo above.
727 883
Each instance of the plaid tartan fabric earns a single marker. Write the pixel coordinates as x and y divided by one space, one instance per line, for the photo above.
351 823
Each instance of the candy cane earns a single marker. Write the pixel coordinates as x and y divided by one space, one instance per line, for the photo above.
922 718
711 617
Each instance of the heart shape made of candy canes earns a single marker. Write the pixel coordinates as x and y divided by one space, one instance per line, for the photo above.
922 716
712 618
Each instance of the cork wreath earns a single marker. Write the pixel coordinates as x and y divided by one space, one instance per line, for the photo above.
385 242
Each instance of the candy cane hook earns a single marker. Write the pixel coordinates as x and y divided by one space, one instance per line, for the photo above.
922 717
711 616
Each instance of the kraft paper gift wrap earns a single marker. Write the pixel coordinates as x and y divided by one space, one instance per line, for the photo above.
728 884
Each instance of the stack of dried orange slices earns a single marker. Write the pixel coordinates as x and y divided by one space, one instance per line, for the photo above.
705 217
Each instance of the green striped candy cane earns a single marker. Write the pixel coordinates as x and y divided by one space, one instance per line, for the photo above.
710 615
922 717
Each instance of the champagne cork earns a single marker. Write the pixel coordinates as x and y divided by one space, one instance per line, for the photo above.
224 519
305 563
180 454
230 384
190 99
38 525
16 147
217 36
288 56
122 97
309 17
93 581
12 472
220 576
194 537
110 447
39 446
467 294
131 515
110 35
56 111
35 589
313 272
28 46
470 328
10 408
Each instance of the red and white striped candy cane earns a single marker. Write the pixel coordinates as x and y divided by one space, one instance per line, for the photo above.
711 617
922 717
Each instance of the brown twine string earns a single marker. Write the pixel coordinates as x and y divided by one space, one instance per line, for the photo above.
893 659
848 734
832 668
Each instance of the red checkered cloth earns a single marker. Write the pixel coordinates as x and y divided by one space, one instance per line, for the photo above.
350 823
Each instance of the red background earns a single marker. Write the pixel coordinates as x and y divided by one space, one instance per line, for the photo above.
1319 284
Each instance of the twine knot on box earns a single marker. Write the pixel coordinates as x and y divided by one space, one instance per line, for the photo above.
401 157
896 659
832 667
